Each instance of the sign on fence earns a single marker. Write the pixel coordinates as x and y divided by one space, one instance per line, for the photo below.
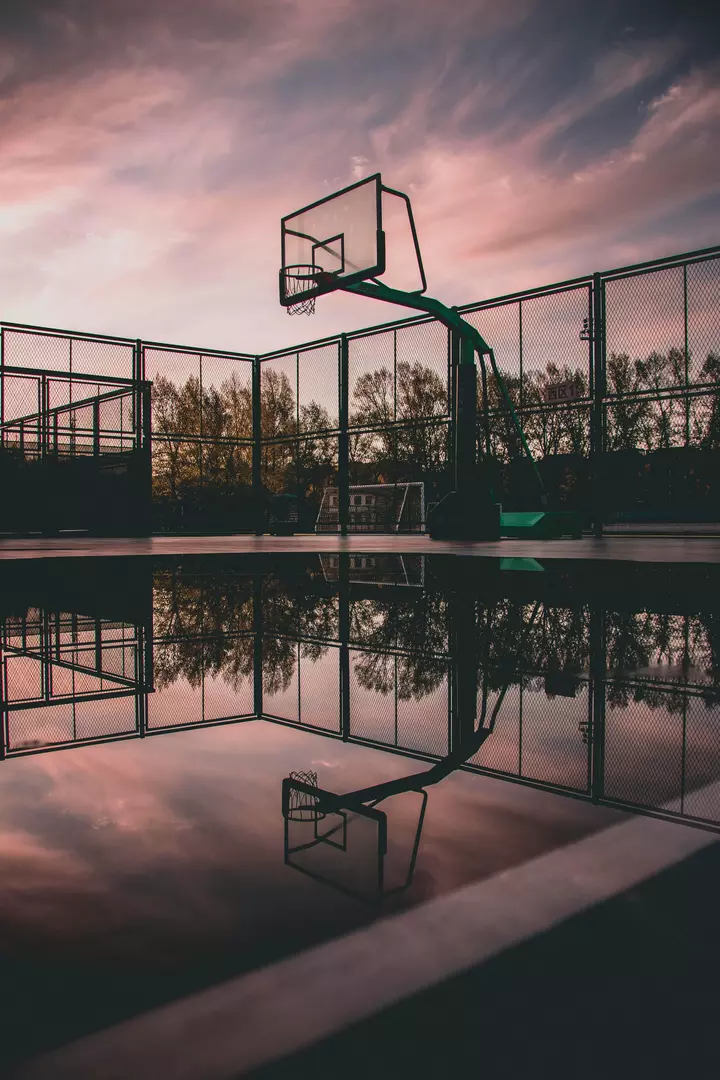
563 391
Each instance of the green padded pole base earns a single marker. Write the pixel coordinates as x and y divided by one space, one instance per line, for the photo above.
542 525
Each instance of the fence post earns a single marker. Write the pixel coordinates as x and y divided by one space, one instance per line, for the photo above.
258 631
344 633
44 436
138 378
597 448
257 447
344 438
146 413
96 428
2 375
598 668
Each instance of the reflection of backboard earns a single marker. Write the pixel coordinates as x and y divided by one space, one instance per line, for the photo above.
346 847
340 235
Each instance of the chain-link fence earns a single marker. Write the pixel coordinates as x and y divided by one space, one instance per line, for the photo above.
202 438
637 435
355 432
661 391
539 342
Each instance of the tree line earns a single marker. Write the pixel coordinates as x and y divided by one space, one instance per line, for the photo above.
203 434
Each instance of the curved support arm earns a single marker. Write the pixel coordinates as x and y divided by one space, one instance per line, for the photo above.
447 316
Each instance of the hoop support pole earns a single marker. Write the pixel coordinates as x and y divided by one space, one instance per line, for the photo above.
451 318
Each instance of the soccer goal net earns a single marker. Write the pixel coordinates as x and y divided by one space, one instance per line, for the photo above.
375 508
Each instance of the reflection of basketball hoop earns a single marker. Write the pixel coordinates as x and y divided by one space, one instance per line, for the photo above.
298 279
302 805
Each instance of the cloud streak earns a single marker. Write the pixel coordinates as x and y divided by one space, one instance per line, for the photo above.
150 149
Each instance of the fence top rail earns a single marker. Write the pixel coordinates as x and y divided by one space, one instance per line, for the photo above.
74 376
527 294
701 255
113 339
223 354
698 255
70 335
350 335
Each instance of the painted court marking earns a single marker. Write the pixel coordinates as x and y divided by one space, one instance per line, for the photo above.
265 1015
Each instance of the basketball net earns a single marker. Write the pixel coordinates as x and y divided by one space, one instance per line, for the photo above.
297 280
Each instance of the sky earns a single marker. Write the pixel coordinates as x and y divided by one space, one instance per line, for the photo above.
150 148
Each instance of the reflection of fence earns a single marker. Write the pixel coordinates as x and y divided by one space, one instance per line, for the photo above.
641 736
56 667
618 705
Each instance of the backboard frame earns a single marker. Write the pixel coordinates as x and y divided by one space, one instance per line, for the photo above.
333 277
323 832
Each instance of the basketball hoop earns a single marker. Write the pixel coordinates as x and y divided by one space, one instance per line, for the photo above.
298 279
303 805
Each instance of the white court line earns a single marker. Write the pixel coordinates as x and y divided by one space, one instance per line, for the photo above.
268 1014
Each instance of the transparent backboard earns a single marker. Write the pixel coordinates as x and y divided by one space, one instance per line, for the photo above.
347 848
340 235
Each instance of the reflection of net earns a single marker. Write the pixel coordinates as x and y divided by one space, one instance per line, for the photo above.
302 805
298 279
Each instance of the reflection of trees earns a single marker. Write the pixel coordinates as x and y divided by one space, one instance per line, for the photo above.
204 623
515 647
279 657
415 677
197 621
683 649
294 610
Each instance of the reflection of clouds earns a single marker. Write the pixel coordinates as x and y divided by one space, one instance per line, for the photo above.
110 837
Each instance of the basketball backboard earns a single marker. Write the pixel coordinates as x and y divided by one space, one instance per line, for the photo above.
343 848
346 847
337 241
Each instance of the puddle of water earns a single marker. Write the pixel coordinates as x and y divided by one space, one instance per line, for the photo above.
151 857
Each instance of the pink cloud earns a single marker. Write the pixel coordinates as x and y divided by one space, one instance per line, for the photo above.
142 194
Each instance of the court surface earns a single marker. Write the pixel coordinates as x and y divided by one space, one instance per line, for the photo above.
665 549
154 921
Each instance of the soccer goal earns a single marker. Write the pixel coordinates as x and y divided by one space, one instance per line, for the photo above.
375 508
